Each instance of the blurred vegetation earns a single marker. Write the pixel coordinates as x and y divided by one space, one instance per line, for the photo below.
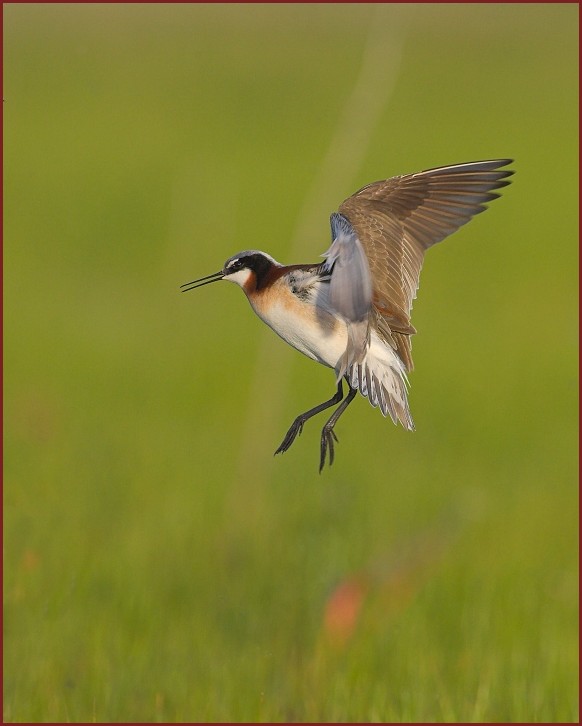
160 564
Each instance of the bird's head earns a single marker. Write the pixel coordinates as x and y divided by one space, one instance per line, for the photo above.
249 269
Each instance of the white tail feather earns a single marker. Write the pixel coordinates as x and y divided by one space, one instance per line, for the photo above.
381 378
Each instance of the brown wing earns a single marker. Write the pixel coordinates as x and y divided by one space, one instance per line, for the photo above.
398 219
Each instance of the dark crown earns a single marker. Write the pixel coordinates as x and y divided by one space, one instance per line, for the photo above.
254 260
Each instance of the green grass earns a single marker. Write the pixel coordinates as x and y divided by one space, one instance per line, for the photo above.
160 565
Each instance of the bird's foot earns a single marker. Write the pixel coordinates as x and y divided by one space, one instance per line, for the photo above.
327 439
295 429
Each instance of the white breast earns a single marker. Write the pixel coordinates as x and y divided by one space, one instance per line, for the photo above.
312 328
309 328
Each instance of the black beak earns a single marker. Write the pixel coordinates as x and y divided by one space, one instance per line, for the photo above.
215 277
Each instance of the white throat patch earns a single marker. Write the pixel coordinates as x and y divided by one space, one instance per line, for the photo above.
240 277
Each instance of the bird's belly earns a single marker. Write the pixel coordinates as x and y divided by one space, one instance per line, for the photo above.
311 330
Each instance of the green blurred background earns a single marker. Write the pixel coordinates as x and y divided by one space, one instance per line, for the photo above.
160 564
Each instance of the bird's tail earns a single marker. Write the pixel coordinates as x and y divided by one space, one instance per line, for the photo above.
382 380
356 348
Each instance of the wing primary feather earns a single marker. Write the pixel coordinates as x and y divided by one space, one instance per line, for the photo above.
393 223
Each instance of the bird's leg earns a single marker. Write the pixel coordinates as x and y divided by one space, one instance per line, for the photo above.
297 425
327 433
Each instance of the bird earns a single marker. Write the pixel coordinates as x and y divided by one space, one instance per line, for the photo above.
352 311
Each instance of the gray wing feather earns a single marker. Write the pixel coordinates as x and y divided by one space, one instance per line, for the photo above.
351 283
350 292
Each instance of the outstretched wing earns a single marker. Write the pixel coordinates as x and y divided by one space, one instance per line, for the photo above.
398 219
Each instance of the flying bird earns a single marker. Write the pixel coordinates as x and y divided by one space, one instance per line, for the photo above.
351 312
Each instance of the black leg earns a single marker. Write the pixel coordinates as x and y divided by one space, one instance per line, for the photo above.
297 425
327 433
